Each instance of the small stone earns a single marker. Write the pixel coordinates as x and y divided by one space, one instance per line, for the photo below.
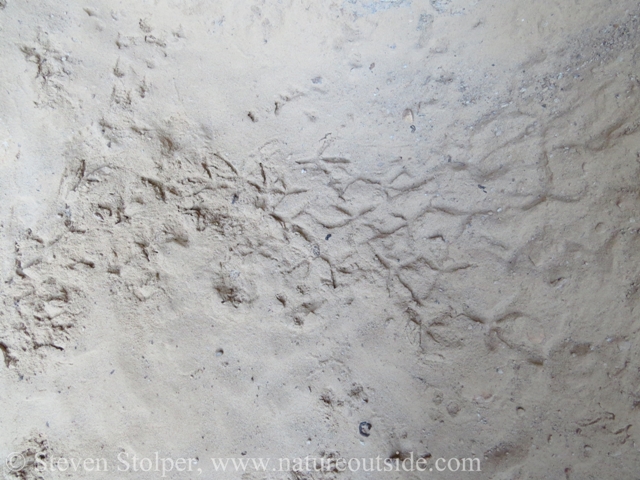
365 429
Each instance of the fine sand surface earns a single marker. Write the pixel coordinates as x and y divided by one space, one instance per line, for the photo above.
241 228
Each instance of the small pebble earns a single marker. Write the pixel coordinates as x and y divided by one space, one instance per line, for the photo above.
365 429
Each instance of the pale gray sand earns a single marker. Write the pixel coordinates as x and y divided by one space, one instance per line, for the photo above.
237 226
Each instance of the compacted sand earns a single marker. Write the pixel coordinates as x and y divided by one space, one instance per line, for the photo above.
239 229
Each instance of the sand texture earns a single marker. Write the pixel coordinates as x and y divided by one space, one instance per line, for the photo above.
241 228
